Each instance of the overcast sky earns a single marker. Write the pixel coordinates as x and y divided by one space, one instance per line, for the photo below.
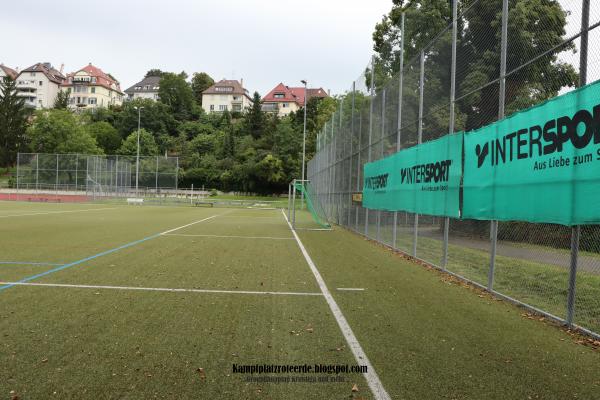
264 42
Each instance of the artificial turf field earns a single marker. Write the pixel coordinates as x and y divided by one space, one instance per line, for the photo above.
96 318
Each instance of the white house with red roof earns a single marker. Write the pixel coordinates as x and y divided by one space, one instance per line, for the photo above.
91 87
284 99
39 85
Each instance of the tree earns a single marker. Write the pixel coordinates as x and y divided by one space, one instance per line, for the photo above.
154 72
13 122
534 26
106 136
62 99
255 118
148 146
177 94
156 117
200 82
61 132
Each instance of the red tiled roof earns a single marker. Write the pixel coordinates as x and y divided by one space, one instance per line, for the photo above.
102 79
292 94
9 71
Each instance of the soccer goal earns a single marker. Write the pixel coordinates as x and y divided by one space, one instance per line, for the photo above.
305 210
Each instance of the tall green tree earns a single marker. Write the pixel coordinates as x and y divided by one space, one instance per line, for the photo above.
534 26
156 117
154 72
148 146
255 118
106 136
200 82
14 115
177 94
61 132
62 99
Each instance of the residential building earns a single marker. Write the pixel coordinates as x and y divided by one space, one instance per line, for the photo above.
39 85
5 71
147 88
91 87
283 99
226 95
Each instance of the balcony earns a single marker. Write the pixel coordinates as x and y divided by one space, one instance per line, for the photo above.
27 93
270 107
26 84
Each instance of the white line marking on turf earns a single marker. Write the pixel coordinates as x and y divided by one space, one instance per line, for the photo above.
190 224
154 289
57 212
371 376
351 289
230 236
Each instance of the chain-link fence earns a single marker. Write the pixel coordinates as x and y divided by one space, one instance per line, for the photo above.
495 57
96 175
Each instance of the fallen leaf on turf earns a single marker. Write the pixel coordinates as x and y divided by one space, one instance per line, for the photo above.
355 388
45 360
201 373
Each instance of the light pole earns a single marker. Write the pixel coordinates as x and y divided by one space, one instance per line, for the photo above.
137 158
304 141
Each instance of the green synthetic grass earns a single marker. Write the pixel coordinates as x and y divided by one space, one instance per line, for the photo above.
541 285
429 339
425 338
90 343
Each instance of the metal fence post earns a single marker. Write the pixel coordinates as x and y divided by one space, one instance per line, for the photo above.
381 156
351 154
18 165
451 121
358 167
419 139
501 100
294 204
399 126
37 171
576 230
370 131
339 164
56 181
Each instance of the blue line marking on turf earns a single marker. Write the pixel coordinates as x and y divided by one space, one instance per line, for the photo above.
30 263
53 270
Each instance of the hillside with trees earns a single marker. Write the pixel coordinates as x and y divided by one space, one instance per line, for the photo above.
248 152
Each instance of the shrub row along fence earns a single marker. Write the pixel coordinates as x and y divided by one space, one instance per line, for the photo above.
495 58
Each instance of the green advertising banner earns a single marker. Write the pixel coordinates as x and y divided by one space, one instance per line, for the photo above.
424 179
539 165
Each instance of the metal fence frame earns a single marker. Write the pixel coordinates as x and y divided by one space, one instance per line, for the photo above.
97 175
342 150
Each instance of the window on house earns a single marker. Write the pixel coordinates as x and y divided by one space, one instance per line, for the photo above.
32 73
41 83
92 100
279 95
212 107
223 89
93 90
284 105
222 107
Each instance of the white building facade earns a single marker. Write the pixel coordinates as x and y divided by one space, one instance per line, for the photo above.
39 85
